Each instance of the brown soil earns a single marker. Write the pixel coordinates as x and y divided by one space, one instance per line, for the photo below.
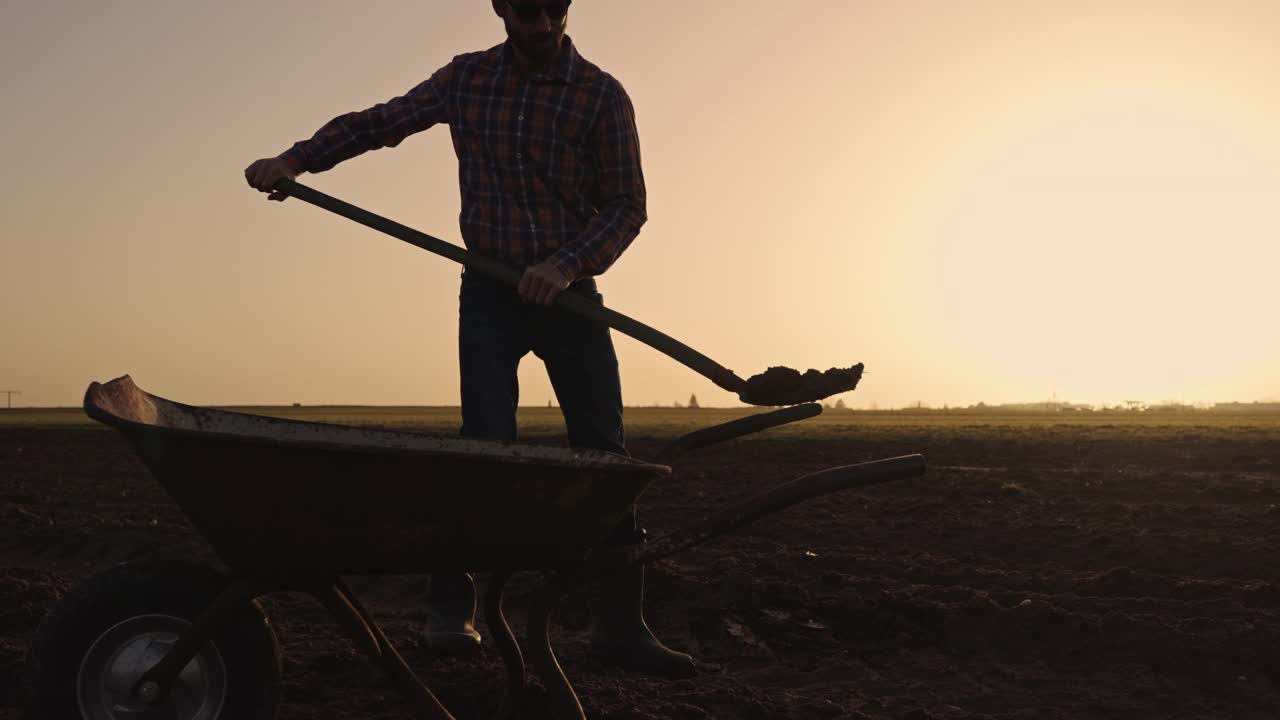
787 386
1031 574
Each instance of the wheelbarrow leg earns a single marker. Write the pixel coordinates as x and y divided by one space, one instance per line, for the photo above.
360 626
564 702
507 645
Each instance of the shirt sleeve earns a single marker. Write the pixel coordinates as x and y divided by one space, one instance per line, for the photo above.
383 125
620 196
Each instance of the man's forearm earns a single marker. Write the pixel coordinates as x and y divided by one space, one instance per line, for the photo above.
294 160
383 125
342 138
603 241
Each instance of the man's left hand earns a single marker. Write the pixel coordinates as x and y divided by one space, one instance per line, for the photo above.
542 283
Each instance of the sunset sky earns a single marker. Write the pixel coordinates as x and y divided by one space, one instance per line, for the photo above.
996 201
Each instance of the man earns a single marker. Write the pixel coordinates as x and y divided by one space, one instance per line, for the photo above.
549 168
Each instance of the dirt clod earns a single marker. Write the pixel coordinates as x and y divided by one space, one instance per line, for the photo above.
786 386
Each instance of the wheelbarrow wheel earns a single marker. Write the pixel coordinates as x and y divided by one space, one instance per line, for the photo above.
97 641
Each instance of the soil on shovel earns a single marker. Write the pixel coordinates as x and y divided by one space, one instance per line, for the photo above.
786 386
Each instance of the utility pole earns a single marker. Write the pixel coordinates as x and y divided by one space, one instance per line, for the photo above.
9 399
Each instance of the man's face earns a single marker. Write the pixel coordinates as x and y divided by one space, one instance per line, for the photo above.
536 27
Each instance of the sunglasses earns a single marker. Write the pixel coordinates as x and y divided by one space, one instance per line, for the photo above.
530 13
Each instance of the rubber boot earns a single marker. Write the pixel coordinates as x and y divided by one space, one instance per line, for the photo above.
619 634
452 615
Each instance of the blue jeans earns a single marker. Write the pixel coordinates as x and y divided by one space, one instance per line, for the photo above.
496 329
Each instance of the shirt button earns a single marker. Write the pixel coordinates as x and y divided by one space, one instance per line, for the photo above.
520 117
519 156
532 226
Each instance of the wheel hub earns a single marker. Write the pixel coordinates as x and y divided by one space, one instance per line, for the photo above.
118 658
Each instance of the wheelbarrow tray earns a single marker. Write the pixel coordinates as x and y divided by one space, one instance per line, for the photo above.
293 506
276 496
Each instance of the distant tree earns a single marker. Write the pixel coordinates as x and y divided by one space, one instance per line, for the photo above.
840 404
693 401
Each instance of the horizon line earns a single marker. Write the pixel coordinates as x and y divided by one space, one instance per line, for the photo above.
920 405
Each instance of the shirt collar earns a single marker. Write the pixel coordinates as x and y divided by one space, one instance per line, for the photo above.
564 69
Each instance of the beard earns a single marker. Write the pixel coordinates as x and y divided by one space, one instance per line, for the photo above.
539 48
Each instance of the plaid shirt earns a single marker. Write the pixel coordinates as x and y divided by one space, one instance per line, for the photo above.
549 165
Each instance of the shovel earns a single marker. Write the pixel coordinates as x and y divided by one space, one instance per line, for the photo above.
776 386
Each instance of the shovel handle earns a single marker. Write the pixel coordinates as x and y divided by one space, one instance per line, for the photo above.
678 351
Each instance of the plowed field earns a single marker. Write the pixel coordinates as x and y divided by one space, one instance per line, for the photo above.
1036 571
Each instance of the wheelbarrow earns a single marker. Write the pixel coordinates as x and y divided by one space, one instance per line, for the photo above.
295 506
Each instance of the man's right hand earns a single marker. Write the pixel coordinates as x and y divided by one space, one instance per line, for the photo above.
265 173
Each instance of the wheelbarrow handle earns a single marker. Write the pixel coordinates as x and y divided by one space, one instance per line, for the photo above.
694 360
605 560
733 429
